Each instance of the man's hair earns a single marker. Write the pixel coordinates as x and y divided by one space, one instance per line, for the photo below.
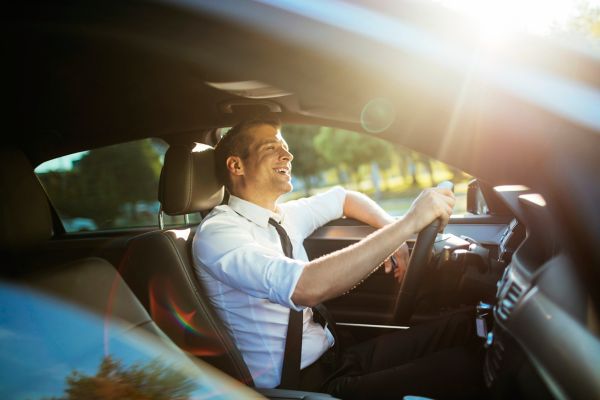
236 143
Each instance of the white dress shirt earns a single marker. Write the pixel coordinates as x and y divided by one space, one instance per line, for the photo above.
239 258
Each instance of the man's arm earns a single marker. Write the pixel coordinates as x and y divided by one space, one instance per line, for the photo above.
334 274
360 207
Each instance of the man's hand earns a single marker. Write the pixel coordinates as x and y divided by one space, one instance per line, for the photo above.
397 262
431 204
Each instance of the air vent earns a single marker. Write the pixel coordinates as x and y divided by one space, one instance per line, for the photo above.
509 301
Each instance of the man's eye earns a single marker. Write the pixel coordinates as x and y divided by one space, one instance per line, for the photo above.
270 147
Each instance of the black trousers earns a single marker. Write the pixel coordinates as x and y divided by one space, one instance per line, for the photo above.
440 359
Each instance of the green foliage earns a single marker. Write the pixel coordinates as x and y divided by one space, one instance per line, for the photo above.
105 180
308 162
352 149
583 25
114 381
317 149
587 21
326 156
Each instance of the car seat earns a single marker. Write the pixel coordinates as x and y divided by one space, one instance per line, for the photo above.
26 227
159 269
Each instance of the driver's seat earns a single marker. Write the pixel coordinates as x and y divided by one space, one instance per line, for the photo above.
159 269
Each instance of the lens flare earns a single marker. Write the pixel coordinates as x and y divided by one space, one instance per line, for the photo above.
377 115
165 310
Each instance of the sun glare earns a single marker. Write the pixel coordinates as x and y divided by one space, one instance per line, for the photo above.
497 20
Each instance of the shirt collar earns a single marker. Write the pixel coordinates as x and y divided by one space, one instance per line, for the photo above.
253 212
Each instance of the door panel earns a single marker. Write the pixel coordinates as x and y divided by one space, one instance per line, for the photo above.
373 300
109 245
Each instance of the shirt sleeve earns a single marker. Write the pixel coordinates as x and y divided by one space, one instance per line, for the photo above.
308 214
232 256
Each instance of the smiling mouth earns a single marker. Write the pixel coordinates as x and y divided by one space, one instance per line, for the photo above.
283 171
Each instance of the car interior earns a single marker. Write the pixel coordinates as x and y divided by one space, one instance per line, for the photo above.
524 255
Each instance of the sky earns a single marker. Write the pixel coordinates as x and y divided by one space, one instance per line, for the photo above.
60 164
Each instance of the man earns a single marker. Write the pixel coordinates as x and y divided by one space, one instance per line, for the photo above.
253 285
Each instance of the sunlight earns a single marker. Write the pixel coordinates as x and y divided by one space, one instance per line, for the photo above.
499 19
510 188
181 233
534 198
199 147
451 130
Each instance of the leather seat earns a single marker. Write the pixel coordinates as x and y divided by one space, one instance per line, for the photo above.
159 269
26 228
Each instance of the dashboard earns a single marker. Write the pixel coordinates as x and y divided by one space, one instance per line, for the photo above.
545 340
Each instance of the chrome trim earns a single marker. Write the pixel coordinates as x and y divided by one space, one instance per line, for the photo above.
372 326
161 218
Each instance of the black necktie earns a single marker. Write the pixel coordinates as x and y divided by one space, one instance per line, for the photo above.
286 243
290 374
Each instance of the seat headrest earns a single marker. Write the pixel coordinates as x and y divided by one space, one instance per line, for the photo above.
26 221
188 182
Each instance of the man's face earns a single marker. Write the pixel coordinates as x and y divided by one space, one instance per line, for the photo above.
268 167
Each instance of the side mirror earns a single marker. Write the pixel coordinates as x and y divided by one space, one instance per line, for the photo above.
476 203
483 200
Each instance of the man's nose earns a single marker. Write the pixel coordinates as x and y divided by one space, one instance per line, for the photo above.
286 155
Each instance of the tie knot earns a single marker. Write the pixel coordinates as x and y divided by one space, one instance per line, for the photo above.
286 243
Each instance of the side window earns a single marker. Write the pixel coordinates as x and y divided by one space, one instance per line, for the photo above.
113 187
391 175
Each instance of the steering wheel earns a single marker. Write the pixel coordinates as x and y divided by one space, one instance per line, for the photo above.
416 269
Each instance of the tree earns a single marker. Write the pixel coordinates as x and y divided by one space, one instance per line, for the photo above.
114 381
587 21
351 150
584 25
104 182
310 163
426 162
115 176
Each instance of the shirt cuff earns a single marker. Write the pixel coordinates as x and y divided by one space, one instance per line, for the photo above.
289 280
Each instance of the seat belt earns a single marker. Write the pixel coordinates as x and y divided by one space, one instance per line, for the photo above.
290 374
322 316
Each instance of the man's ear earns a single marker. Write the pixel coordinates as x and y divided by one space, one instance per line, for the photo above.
235 165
